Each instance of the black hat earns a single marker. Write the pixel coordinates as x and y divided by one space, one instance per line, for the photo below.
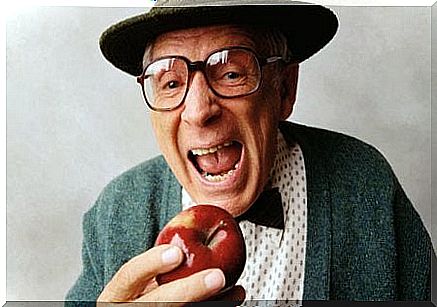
307 27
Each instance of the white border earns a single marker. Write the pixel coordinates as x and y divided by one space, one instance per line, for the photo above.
150 3
17 5
3 161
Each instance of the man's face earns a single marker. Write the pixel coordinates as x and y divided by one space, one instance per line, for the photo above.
221 150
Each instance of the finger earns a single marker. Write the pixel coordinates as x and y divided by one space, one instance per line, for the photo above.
133 276
194 288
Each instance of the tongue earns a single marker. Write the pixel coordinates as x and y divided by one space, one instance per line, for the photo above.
221 161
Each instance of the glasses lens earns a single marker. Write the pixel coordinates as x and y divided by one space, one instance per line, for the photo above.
233 72
165 82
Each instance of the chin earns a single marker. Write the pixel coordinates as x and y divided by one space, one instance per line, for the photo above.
235 206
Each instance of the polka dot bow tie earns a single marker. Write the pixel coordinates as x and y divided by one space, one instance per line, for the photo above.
266 210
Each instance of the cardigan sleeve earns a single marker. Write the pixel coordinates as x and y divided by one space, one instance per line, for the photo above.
414 251
123 222
88 286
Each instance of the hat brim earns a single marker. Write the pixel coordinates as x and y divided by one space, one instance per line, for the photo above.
308 28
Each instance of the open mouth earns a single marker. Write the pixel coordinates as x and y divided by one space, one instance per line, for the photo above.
217 163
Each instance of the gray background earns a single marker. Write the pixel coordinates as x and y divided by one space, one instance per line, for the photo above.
74 122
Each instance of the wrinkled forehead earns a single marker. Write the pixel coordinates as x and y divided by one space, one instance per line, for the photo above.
211 37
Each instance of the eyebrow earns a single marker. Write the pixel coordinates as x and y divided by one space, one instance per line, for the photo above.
243 34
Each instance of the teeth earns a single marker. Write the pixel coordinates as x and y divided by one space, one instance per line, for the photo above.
217 178
205 151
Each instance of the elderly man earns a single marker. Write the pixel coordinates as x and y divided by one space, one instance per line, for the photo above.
220 83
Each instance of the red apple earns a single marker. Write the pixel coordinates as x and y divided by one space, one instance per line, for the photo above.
210 238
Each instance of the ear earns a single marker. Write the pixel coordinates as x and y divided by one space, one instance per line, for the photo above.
288 90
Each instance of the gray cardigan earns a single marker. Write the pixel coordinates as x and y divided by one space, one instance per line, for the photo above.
365 240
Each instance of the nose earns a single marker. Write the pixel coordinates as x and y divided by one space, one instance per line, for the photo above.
200 106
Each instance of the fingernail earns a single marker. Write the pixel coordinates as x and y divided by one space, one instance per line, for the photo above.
215 280
170 256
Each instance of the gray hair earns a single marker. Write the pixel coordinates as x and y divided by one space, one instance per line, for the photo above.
271 42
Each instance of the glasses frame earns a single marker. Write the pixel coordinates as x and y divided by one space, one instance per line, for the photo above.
201 65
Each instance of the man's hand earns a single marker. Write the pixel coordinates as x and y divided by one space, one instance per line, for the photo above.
135 281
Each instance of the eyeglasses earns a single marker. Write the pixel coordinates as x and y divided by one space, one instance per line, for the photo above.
230 72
